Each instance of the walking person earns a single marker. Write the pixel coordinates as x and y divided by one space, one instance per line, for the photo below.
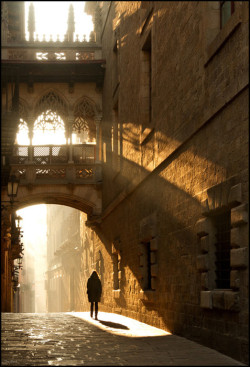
94 291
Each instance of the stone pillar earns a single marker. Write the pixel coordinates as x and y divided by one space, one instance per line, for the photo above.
31 22
71 24
98 24
70 123
31 120
97 123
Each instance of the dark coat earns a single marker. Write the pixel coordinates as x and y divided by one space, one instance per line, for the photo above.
94 288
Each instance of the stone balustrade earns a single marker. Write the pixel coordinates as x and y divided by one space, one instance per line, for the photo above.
67 173
51 164
52 51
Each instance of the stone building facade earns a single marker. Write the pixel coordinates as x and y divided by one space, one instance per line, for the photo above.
171 242
174 227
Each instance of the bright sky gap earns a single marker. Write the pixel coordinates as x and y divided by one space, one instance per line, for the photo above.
51 18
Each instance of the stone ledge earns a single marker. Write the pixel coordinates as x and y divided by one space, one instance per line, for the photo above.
239 215
147 295
220 299
203 227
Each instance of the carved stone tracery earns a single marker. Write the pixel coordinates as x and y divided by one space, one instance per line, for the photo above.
51 101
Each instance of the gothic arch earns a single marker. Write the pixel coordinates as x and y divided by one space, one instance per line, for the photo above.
51 100
85 112
85 107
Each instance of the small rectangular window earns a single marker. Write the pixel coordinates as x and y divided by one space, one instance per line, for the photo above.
146 84
146 282
115 271
222 263
226 10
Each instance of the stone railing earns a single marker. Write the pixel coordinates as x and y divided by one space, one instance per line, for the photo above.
53 154
51 51
58 173
51 164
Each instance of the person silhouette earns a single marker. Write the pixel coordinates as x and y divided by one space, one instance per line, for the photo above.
94 291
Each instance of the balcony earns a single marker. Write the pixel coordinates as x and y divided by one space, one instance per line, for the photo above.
56 164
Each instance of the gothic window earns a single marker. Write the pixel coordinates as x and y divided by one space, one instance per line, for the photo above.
80 129
49 129
83 128
226 10
51 101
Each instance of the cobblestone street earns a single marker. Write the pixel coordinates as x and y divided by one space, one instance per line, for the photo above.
74 339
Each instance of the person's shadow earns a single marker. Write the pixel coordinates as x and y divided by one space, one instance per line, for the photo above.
113 324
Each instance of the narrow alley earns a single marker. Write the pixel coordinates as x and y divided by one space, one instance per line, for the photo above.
74 339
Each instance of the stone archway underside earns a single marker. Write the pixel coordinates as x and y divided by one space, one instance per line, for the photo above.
82 197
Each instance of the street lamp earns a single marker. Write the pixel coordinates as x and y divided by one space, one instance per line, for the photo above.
17 221
12 188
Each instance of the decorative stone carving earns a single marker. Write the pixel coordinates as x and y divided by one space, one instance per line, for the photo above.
51 101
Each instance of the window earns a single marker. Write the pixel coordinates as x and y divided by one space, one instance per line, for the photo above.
222 224
146 83
115 271
116 143
146 258
115 69
226 10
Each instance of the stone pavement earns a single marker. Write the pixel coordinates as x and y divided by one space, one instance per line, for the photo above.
74 339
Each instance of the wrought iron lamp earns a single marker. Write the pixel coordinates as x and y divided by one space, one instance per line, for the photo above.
12 188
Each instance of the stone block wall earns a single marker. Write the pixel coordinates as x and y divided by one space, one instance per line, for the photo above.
196 138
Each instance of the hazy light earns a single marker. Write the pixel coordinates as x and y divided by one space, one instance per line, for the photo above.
51 18
34 226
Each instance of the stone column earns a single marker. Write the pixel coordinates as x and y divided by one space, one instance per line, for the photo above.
71 24
30 121
31 22
70 123
97 123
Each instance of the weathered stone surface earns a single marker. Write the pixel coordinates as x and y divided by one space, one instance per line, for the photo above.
239 257
234 279
235 238
206 299
203 227
235 195
239 215
218 299
231 300
204 244
202 262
